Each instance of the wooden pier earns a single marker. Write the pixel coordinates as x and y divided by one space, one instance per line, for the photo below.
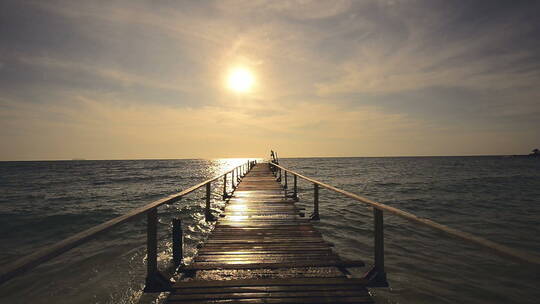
263 250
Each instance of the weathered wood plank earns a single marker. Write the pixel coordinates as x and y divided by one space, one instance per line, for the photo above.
297 288
271 282
276 294
324 263
303 300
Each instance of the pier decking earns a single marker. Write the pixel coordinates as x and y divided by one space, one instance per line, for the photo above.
263 251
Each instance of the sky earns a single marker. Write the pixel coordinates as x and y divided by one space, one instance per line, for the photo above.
148 79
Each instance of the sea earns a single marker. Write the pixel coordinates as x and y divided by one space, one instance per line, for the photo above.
494 197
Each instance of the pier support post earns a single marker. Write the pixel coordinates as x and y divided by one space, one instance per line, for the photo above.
225 195
207 214
155 281
279 175
286 185
315 215
295 187
377 275
177 245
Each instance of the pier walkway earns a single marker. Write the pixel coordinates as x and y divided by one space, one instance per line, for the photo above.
263 251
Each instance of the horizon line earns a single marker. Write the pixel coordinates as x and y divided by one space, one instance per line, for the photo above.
293 157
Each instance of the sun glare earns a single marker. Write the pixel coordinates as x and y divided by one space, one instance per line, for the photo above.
240 80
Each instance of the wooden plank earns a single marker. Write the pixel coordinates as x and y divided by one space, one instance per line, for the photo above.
241 289
266 259
242 231
258 228
271 282
303 300
298 250
265 240
263 247
276 294
327 263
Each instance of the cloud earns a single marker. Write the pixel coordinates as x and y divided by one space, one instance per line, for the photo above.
106 73
103 128
296 9
128 79
476 58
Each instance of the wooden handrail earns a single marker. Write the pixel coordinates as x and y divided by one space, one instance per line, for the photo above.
499 249
42 255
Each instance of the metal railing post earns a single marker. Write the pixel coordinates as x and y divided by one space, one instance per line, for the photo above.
154 280
225 186
177 245
208 215
377 275
315 215
151 242
379 239
295 191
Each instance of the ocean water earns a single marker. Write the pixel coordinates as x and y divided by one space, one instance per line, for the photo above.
497 198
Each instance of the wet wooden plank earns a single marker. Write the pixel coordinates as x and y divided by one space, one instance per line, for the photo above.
241 289
275 294
271 282
302 300
263 247
255 265
282 250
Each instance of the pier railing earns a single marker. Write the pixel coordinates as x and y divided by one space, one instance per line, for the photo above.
377 275
155 281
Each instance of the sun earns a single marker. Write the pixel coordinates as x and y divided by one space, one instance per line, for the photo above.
240 80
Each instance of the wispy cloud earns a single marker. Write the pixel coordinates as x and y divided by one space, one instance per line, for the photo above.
129 79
